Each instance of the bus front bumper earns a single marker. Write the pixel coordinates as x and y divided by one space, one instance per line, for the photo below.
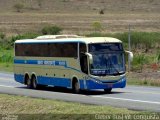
93 84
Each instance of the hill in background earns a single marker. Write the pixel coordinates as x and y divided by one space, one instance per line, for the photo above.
78 16
81 6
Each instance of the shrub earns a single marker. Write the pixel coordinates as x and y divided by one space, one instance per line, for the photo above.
23 36
3 40
139 61
6 58
2 36
18 7
65 0
51 30
97 26
39 3
101 11
96 34
158 58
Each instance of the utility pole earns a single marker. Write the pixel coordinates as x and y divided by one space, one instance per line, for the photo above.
129 46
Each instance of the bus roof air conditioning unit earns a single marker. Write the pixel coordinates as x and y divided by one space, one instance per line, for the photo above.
56 37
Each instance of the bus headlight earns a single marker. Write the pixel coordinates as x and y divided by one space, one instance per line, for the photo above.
97 81
123 79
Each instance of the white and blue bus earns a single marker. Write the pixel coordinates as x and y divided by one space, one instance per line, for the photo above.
79 63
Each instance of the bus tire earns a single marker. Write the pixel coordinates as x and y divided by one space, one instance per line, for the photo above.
108 90
75 86
34 82
28 82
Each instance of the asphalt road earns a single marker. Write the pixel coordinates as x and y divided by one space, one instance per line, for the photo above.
131 97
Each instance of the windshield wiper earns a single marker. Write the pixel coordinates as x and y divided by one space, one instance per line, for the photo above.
117 71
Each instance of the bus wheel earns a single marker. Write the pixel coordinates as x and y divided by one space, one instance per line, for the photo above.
75 86
28 82
34 82
108 90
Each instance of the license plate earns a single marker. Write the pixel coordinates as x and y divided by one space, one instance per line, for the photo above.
110 85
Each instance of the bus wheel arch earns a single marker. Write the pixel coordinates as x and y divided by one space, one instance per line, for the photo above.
75 85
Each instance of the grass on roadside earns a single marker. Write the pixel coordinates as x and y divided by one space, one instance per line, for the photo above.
144 79
6 60
6 67
46 109
25 105
143 82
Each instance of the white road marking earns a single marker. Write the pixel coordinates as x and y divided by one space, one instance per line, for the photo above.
104 97
131 100
147 92
7 86
5 78
136 91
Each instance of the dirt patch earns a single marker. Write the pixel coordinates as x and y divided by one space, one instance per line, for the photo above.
149 75
78 23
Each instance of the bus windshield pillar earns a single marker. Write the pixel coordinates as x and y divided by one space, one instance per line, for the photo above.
84 63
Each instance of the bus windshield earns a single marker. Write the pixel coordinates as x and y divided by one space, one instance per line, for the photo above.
108 59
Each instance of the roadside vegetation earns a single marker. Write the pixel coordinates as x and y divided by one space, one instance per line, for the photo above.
33 108
6 60
144 45
18 7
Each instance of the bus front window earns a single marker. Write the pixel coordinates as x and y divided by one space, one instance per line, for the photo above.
108 59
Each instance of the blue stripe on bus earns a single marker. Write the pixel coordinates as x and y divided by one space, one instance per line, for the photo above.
31 62
35 62
66 82
16 61
41 62
19 62
63 82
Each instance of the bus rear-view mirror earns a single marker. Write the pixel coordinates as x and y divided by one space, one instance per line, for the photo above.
130 55
90 57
